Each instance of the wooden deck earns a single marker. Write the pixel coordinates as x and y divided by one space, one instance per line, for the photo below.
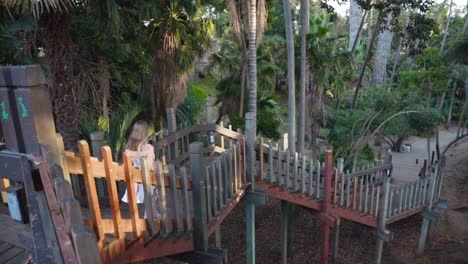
12 249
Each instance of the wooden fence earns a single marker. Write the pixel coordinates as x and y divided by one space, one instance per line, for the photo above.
222 180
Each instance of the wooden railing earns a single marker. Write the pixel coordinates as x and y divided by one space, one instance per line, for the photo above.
361 190
222 180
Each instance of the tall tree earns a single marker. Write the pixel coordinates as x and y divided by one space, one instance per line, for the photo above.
384 46
291 79
355 18
446 31
58 45
239 18
181 35
305 10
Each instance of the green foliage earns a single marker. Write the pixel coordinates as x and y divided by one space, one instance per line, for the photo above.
430 75
426 121
193 106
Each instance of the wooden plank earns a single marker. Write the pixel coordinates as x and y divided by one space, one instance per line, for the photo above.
209 193
219 181
187 218
59 225
317 180
363 172
287 183
336 176
5 183
303 172
236 167
148 195
131 194
199 197
355 183
22 258
87 252
342 192
214 180
163 202
311 176
74 167
261 158
244 161
361 186
172 176
296 172
224 176
377 202
6 256
91 192
271 173
112 192
230 190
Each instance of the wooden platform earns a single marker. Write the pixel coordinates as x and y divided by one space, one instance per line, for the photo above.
12 249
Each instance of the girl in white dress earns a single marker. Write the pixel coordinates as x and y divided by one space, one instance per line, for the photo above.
137 147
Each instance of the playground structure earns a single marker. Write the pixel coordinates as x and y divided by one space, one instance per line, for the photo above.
205 171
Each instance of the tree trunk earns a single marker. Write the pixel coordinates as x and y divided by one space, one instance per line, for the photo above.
452 99
242 88
358 36
384 47
304 74
291 78
252 59
59 50
355 17
442 44
397 55
465 104
366 61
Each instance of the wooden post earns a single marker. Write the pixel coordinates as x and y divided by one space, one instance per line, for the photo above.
97 141
147 190
336 229
326 205
382 218
426 220
172 128
199 198
250 133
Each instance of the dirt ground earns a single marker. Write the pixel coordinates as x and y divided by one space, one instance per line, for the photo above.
450 243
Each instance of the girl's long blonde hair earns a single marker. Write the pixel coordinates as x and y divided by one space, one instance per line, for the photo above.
138 136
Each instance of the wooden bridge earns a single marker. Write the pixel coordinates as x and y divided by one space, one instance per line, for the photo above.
202 175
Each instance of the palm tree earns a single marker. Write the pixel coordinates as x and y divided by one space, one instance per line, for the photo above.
239 18
291 78
180 36
304 74
59 54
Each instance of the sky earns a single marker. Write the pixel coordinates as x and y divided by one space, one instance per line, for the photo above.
343 9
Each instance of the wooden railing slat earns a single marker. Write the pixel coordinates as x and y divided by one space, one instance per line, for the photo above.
148 194
112 192
91 192
131 194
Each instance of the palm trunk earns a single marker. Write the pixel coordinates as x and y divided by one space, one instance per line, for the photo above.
59 47
291 79
243 80
252 59
304 74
